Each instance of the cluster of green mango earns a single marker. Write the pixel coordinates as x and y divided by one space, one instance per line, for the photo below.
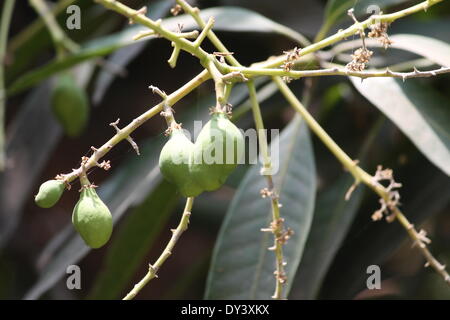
91 217
192 167
206 164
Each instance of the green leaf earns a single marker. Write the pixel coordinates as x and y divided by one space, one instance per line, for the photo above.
133 241
227 19
419 111
242 266
432 49
332 219
33 135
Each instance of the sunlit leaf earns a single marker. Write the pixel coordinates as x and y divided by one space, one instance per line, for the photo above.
420 112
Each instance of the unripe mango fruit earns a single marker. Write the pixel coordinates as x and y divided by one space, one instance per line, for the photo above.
92 218
49 193
218 149
70 105
174 163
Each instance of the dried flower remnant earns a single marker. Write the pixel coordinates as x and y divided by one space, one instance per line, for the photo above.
360 58
379 31
291 56
387 206
176 10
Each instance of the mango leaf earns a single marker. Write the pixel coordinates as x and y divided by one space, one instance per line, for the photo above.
333 216
32 136
242 266
227 19
432 49
133 240
420 112
438 27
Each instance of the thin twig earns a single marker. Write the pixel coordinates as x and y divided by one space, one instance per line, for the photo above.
336 71
153 268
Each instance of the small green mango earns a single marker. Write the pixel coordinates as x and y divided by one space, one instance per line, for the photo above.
217 151
49 193
70 105
174 163
92 219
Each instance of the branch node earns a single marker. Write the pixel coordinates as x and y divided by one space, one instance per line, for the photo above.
142 10
128 138
204 32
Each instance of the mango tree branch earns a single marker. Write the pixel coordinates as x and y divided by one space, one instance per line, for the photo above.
419 237
195 13
138 16
176 234
125 132
350 31
337 71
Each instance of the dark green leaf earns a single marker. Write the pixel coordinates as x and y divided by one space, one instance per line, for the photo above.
420 112
377 241
432 49
32 137
332 219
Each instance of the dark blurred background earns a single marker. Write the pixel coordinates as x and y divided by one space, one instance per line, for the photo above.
340 109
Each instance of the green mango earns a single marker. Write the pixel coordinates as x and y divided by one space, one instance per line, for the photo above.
174 163
217 152
92 218
70 105
49 193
